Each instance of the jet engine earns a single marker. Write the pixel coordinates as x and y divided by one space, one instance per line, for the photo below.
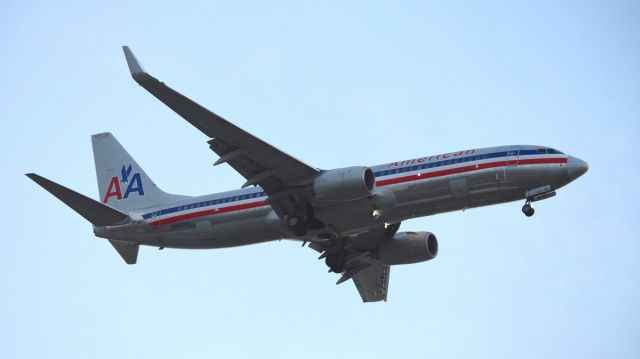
344 184
408 247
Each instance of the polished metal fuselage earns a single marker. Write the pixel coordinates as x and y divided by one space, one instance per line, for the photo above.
405 189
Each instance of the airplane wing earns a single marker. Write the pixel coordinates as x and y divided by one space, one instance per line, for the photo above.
257 161
372 283
369 274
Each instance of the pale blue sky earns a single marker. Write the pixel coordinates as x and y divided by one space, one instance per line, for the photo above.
334 83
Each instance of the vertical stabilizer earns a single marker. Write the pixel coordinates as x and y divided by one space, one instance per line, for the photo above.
122 183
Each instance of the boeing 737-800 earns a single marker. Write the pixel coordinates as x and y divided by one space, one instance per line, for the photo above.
350 215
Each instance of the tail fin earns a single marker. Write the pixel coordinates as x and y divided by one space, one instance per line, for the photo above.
95 212
121 181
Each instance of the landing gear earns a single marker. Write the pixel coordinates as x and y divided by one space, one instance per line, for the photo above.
300 224
527 209
296 225
335 262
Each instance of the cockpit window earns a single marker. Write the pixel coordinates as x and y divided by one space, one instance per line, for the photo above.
550 151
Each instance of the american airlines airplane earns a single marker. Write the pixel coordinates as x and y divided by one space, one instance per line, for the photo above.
350 215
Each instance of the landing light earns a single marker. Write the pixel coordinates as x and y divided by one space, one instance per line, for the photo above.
376 214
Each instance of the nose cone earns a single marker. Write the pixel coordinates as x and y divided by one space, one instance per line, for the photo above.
576 167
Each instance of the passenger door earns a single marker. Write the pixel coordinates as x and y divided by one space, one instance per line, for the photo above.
511 162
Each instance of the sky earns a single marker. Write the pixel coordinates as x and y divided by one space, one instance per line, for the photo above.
335 84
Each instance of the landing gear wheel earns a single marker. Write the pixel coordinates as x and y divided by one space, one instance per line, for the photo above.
312 222
528 210
335 262
297 225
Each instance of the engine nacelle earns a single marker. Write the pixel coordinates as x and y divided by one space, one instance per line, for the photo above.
408 247
344 184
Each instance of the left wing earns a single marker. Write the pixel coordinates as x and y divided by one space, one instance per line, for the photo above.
257 161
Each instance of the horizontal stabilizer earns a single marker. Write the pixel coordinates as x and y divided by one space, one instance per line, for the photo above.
127 250
93 211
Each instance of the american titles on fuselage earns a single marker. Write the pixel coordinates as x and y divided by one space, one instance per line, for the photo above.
431 158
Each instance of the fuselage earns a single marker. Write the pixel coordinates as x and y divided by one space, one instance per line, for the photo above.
404 189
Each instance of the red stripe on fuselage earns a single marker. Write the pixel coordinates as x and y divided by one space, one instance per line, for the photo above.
539 161
415 177
468 168
207 212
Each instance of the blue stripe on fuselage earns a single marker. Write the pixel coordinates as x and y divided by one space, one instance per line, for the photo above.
382 173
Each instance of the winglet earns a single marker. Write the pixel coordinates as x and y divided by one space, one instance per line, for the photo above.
134 66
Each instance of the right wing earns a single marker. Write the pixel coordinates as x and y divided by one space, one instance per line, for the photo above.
372 283
257 161
369 274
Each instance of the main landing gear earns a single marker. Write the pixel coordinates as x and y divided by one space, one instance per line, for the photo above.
335 262
296 225
335 255
527 209
299 224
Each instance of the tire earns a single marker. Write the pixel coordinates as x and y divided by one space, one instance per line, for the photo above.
293 222
335 263
297 225
300 230
530 212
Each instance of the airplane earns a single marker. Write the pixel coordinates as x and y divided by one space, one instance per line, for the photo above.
350 216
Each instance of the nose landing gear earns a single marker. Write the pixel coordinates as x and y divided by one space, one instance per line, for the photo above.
527 209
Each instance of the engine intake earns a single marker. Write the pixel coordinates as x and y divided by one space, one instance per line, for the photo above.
408 247
342 184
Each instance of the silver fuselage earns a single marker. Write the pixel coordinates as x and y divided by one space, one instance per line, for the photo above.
405 189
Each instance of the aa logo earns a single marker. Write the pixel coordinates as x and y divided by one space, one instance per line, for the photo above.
133 184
